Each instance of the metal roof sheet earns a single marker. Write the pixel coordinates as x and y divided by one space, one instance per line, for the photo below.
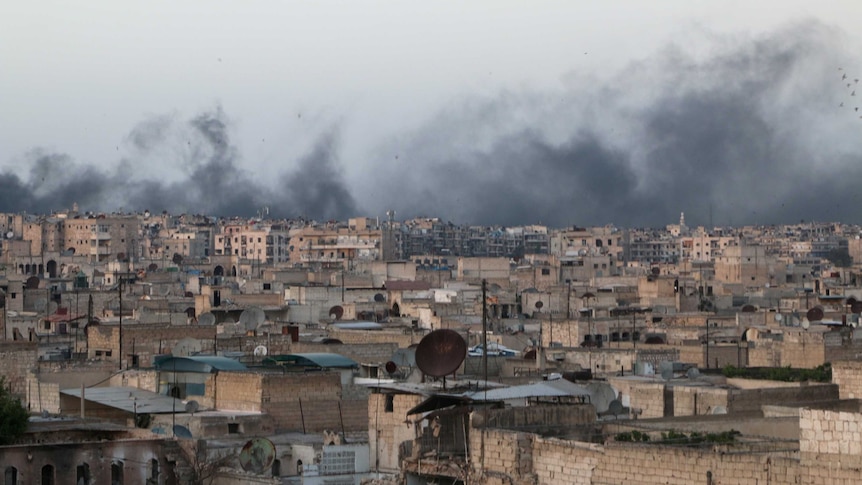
198 363
558 388
314 359
129 399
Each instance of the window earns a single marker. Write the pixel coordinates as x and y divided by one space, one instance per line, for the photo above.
48 475
267 286
11 476
117 473
82 474
154 471
233 428
390 403
546 271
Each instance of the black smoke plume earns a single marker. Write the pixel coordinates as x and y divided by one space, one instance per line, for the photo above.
759 130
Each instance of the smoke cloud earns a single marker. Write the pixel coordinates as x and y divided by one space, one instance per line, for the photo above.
758 130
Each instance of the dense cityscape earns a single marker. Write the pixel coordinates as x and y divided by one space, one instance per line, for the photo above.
165 348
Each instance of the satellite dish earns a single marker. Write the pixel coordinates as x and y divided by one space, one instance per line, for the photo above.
251 318
805 323
615 407
257 455
441 352
667 374
336 312
165 290
192 407
40 305
206 319
379 298
391 367
10 235
856 307
52 307
718 410
779 317
749 309
815 314
32 283
539 305
260 351
692 373
182 432
851 300
186 347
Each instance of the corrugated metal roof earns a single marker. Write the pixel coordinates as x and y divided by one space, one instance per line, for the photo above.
558 388
205 364
314 359
130 399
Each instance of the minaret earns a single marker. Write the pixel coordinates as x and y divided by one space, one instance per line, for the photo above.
681 220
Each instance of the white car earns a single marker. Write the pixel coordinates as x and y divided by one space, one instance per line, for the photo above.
495 350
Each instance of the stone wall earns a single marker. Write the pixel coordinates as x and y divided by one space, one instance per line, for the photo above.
402 339
387 428
19 359
846 375
831 437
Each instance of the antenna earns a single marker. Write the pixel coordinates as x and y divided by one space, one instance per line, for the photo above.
257 455
441 352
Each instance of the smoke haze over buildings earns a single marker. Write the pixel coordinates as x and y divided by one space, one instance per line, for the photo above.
747 130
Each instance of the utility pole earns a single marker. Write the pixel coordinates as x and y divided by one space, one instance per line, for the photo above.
120 288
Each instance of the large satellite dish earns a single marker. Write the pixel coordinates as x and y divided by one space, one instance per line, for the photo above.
257 455
206 319
252 318
692 373
815 314
336 312
749 309
379 298
441 352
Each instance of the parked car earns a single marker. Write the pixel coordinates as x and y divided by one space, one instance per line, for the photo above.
495 350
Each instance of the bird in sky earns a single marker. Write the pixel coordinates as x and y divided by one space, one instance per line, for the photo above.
844 76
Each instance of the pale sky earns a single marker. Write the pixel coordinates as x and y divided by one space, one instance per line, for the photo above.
77 77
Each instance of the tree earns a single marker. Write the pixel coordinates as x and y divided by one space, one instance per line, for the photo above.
13 416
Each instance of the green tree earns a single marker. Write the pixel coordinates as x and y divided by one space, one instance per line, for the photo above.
13 416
